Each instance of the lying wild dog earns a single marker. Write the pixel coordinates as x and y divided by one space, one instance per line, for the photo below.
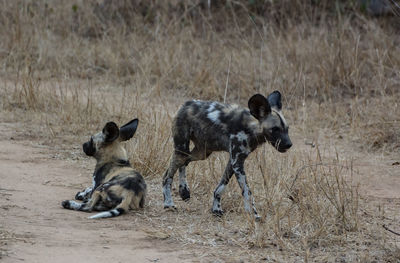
116 186
213 126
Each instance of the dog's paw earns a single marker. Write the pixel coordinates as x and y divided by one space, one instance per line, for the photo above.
184 193
170 207
217 212
66 204
79 196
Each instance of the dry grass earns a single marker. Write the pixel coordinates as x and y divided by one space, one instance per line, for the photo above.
67 68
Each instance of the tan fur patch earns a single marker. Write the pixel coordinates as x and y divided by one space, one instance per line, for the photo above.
117 172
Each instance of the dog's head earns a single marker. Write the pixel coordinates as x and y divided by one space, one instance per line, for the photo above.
109 139
268 112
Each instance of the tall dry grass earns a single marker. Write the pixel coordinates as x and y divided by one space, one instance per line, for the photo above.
330 60
70 66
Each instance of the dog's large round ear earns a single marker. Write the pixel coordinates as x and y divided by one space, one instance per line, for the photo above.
274 100
111 131
259 106
128 130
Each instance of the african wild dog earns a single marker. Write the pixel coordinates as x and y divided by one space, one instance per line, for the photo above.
213 126
116 186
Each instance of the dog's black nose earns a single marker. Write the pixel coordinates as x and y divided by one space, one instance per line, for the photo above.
288 145
283 147
89 148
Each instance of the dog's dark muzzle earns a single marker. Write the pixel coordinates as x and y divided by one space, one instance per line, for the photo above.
283 144
284 148
88 148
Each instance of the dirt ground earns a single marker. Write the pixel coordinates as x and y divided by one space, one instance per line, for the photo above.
34 227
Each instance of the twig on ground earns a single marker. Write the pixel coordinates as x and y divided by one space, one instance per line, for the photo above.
391 231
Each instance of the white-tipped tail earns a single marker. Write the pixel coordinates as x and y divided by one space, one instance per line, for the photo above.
111 213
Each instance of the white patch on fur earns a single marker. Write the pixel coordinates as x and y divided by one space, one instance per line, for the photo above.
86 192
197 102
236 169
182 176
240 136
244 149
98 138
75 205
219 191
214 117
216 205
213 114
280 116
242 183
212 107
101 215
167 194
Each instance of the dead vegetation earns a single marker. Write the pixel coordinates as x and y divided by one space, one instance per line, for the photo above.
67 66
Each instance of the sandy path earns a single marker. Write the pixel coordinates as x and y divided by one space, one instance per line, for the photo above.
31 188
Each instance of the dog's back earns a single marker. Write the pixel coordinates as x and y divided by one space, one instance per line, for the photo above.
210 123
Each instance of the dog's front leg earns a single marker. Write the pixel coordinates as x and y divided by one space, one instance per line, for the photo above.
216 209
85 206
238 168
85 194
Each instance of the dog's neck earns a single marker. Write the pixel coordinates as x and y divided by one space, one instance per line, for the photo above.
111 163
255 132
114 160
116 156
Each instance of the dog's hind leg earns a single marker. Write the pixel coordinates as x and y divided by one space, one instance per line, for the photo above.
120 209
184 191
177 161
198 153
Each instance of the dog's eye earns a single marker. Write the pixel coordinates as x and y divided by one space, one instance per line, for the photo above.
275 129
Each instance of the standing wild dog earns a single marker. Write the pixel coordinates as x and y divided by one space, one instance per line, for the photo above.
116 186
213 126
